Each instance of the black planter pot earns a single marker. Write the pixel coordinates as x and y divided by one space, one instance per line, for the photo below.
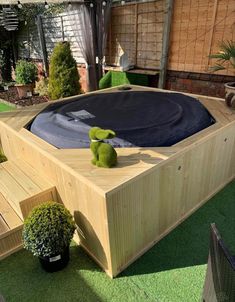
56 262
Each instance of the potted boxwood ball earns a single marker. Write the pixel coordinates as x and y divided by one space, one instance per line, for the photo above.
47 233
25 76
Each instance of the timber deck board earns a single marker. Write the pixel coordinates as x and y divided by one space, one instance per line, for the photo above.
8 215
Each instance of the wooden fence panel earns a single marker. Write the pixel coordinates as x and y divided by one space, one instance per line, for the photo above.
136 29
197 28
149 32
122 34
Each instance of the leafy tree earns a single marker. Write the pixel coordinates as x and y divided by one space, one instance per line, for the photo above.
64 77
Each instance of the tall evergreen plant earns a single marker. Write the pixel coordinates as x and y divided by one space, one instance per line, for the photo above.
64 77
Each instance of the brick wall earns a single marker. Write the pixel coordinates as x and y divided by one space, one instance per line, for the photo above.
198 83
83 77
81 71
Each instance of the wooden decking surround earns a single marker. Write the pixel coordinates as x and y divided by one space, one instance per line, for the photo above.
21 188
121 212
10 229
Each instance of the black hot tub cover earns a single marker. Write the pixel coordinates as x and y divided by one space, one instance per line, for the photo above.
139 118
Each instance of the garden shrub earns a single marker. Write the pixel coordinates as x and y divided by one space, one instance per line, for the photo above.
25 72
48 229
64 77
42 87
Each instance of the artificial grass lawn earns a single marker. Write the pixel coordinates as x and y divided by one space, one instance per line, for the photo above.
5 107
172 271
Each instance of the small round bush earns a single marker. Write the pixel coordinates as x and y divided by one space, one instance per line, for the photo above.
64 77
48 229
25 72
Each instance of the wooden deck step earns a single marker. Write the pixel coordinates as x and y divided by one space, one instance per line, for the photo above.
23 188
10 229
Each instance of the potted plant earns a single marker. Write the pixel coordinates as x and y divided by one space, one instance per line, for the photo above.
25 76
47 233
225 59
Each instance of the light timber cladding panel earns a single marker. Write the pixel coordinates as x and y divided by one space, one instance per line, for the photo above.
143 211
10 229
10 242
197 28
84 200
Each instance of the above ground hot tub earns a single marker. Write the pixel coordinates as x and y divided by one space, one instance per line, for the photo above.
139 118
122 212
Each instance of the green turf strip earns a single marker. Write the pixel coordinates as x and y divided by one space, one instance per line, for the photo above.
5 107
172 271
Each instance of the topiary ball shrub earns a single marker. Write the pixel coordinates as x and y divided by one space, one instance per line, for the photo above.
25 72
48 230
64 77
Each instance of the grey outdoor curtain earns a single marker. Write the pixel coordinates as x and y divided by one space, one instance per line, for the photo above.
90 26
103 12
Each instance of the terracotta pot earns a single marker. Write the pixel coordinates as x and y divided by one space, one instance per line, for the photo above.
24 90
230 94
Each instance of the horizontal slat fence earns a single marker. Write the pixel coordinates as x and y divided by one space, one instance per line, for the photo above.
28 42
56 29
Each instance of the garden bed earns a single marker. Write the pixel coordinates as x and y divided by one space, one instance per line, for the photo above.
12 97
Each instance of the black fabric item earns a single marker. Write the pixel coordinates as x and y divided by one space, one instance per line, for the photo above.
220 276
144 119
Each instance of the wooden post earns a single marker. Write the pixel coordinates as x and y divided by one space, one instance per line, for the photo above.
136 33
42 44
165 43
